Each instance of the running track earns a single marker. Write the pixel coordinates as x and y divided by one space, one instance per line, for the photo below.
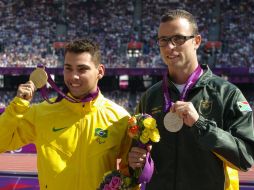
22 173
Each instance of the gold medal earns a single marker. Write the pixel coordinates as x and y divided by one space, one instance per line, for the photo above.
39 77
172 122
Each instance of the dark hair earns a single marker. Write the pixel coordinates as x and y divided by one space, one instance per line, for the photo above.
170 15
85 45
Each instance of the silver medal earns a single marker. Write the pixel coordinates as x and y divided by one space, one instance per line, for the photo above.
173 122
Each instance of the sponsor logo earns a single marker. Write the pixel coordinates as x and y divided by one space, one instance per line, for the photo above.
156 110
54 129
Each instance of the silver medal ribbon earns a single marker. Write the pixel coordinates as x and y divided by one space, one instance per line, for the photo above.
172 121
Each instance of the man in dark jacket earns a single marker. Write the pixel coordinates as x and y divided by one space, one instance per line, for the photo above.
205 122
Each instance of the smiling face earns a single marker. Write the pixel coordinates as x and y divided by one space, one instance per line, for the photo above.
179 57
81 74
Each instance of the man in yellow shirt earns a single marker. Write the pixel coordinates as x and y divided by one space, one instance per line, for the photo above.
76 142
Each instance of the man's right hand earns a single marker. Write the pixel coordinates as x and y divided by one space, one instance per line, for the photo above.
137 157
26 91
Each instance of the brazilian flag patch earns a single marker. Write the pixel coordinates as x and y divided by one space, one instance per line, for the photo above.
244 106
101 133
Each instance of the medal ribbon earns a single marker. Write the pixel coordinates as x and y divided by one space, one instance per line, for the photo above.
2 110
190 83
147 171
43 91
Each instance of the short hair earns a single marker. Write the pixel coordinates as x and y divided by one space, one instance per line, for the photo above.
85 45
170 15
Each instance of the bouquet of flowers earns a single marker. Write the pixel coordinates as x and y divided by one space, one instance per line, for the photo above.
114 180
143 128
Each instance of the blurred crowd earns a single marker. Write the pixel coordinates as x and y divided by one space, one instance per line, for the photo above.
30 28
237 34
127 99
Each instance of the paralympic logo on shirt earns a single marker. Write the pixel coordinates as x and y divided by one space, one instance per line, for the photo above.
101 134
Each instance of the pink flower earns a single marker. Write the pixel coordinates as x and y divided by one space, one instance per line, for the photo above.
115 182
107 187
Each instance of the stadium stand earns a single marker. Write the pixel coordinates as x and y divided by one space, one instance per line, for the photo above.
35 31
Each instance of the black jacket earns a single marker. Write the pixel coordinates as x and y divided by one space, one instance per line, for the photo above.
196 158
